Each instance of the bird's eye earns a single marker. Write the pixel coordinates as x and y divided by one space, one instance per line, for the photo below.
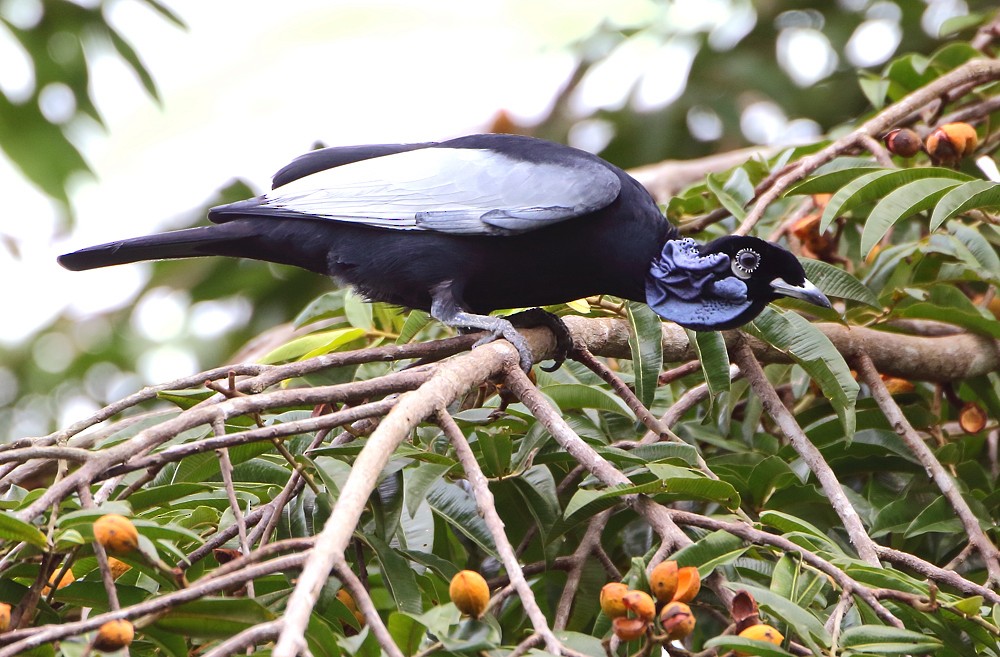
745 262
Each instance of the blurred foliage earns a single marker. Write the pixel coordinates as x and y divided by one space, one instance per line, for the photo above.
59 40
935 258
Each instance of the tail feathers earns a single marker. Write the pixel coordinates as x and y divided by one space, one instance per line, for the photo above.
188 243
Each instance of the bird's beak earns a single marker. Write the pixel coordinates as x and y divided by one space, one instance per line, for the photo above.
807 292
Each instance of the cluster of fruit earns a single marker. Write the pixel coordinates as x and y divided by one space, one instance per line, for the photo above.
633 612
946 144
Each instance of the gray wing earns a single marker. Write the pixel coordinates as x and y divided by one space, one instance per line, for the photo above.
451 190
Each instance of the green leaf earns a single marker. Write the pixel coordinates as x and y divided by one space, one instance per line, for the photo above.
969 606
746 646
569 396
459 510
314 344
322 307
980 248
397 576
900 203
836 282
710 552
877 184
874 87
214 618
12 529
884 640
734 193
968 196
358 311
714 358
830 182
807 626
415 320
406 632
645 339
813 351
538 488
688 483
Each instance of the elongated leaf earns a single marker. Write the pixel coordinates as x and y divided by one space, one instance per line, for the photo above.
901 203
746 646
807 626
397 576
415 320
884 640
459 510
717 549
576 395
714 358
836 282
876 185
830 182
688 483
734 193
538 488
971 195
645 339
406 632
813 351
12 529
214 617
314 344
984 252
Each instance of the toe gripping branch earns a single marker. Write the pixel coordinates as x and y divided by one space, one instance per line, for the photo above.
537 317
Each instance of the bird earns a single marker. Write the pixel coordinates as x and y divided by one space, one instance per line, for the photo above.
468 226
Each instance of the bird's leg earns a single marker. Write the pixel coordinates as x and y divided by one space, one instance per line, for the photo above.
538 317
446 310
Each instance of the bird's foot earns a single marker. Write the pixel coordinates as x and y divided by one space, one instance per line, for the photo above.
534 317
502 328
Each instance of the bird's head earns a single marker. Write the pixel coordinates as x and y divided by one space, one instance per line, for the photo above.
725 283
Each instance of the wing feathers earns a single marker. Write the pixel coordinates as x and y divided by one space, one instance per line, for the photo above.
453 190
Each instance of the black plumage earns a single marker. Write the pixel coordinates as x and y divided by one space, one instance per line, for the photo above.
480 223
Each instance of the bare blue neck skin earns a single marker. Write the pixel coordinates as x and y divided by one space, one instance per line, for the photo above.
697 291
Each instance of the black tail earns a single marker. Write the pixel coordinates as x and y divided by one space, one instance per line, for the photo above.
288 242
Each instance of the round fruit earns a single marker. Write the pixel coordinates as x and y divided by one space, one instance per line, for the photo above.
761 632
4 617
688 584
67 579
951 142
116 533
114 635
903 142
677 620
611 599
344 596
663 580
641 604
629 629
972 418
470 593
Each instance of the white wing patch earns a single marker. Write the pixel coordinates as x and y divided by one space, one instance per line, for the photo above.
454 190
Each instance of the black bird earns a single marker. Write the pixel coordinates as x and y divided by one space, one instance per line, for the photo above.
464 227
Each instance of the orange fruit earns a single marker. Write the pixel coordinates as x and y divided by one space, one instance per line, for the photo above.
688 584
677 620
611 599
114 635
663 580
470 593
116 533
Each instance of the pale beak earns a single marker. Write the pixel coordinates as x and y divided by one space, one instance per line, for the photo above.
807 292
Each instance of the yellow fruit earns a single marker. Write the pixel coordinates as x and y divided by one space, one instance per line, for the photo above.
641 604
677 620
663 580
470 593
4 617
761 632
116 533
114 635
611 599
629 629
118 567
688 584
951 142
67 579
